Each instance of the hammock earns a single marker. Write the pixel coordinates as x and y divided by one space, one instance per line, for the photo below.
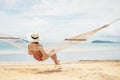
17 42
22 44
79 38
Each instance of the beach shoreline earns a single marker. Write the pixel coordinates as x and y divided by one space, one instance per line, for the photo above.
81 70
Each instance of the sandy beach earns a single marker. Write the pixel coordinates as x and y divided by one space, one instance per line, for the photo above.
81 70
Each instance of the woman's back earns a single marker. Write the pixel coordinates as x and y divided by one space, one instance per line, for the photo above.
34 49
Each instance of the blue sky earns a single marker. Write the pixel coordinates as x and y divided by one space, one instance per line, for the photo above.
58 19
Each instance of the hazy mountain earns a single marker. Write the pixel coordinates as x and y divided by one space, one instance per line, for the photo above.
103 41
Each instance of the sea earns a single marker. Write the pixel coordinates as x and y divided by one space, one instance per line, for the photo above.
82 51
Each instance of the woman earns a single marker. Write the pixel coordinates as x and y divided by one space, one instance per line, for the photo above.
36 49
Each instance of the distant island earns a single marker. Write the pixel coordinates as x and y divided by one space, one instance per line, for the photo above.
103 41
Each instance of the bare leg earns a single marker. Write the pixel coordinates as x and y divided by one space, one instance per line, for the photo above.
54 58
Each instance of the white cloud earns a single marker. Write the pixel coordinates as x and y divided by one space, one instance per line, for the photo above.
75 16
67 7
8 4
56 8
35 22
11 2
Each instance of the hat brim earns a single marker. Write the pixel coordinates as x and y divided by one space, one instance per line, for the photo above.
30 39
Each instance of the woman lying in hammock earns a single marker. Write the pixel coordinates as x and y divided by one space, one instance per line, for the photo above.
36 49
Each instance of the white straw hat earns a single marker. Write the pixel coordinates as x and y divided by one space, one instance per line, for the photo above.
33 37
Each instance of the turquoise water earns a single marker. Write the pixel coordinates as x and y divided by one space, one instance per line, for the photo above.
82 51
6 46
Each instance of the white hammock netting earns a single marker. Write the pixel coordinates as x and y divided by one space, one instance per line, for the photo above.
22 44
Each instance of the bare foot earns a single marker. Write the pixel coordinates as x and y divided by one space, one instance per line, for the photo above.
57 63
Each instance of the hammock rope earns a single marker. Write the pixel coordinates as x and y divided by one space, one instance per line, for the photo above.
80 38
14 41
62 45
